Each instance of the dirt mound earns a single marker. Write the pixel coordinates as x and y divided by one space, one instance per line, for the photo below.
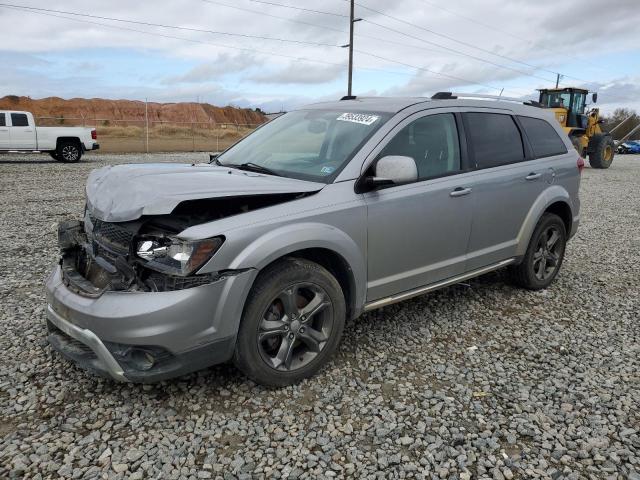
95 110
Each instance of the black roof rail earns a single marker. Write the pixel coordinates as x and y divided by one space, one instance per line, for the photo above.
443 96
348 97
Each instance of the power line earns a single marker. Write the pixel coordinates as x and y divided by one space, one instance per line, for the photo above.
250 50
173 37
505 32
423 69
458 52
301 22
449 49
202 42
172 27
453 39
300 8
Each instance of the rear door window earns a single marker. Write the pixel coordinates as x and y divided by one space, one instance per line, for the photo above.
495 139
543 138
3 122
19 120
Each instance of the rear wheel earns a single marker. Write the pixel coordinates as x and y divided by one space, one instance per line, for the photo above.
577 145
68 152
602 150
292 323
544 256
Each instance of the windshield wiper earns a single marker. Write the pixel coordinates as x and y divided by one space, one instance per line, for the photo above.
253 167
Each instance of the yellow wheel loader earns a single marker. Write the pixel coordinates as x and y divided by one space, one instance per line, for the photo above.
583 126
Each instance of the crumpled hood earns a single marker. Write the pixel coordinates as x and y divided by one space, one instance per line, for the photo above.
126 192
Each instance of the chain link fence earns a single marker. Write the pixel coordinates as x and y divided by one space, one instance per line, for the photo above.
135 135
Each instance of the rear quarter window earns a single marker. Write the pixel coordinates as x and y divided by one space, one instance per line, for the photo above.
19 120
495 139
543 138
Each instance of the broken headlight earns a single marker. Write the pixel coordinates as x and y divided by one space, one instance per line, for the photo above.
174 256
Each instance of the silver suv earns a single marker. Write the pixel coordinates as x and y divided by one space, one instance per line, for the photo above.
320 215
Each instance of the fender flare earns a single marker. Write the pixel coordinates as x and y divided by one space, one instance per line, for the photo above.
291 238
551 195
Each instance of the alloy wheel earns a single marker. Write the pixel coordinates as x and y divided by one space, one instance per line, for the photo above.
295 327
548 253
70 153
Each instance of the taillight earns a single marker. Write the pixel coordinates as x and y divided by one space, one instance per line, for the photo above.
94 134
580 164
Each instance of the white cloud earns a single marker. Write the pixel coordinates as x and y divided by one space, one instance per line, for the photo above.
585 39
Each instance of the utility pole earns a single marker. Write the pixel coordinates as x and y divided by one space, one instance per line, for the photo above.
352 20
558 77
146 122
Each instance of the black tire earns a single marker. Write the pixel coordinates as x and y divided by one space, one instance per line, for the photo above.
68 151
266 328
601 150
534 272
54 155
577 145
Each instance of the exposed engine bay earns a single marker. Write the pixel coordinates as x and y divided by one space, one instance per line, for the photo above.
146 254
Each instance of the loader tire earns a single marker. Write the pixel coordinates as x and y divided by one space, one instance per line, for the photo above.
601 150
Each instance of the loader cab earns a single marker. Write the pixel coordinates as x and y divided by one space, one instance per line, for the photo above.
568 103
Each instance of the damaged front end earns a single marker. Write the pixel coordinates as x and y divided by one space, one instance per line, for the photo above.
146 254
143 255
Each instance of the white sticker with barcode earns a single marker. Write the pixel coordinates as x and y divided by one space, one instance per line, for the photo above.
362 118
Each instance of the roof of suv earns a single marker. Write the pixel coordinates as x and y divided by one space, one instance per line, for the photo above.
396 104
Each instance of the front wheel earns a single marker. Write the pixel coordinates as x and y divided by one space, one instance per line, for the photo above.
69 152
601 150
544 255
292 323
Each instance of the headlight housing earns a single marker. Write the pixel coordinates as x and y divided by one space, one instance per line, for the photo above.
174 256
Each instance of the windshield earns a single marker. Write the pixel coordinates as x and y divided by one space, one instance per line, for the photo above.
310 145
556 99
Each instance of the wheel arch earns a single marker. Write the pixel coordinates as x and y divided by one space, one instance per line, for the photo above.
68 139
554 200
324 244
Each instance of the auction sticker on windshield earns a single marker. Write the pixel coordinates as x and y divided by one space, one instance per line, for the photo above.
362 118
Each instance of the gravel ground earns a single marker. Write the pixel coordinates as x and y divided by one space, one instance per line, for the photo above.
475 381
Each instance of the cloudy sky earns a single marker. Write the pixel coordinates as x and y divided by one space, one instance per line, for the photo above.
263 53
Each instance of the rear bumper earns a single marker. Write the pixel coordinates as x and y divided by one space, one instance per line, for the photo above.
96 146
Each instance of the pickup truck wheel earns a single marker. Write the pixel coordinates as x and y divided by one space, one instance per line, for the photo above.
291 324
544 255
69 152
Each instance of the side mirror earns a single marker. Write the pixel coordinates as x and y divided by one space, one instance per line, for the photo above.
397 169
389 170
594 97
213 157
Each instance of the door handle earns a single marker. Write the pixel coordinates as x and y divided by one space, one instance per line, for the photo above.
460 191
533 176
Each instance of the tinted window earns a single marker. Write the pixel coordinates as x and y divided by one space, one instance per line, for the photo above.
3 122
432 141
543 137
495 139
19 120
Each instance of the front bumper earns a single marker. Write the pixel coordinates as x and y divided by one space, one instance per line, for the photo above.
185 330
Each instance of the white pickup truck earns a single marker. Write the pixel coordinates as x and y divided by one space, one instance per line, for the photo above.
18 133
